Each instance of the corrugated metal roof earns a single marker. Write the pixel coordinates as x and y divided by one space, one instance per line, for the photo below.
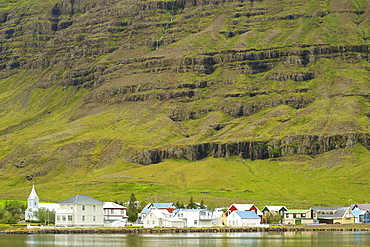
156 205
81 199
330 212
112 205
297 211
247 214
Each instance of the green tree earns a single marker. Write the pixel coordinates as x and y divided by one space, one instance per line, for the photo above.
191 203
132 209
12 211
273 218
45 215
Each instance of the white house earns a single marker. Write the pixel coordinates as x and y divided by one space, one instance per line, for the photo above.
80 210
161 218
114 212
244 207
33 205
243 218
196 217
169 206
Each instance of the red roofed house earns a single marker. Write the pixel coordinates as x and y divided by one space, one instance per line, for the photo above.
244 207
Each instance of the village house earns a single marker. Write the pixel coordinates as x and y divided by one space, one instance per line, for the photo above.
361 212
361 216
81 211
195 217
220 217
243 219
244 207
168 206
161 218
272 213
333 215
274 209
114 212
364 217
33 205
298 217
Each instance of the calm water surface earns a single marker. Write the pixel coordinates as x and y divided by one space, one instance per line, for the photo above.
192 239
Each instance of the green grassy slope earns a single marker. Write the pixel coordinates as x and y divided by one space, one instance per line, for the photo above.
91 90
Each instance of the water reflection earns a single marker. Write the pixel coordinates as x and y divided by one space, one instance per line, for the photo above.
192 239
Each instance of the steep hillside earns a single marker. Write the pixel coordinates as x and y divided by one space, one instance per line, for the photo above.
86 86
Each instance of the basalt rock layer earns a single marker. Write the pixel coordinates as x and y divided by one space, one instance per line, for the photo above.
93 83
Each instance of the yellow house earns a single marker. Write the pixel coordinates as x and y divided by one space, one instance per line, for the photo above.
333 215
220 216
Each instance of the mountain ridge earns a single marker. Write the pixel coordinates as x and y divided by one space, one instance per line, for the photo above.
93 84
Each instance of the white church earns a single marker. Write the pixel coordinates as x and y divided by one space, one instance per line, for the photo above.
33 205
79 210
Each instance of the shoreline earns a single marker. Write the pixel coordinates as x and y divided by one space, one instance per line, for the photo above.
126 230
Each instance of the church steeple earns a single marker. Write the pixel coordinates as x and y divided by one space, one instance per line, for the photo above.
33 198
33 195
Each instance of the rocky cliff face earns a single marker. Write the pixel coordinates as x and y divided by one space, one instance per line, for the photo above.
182 79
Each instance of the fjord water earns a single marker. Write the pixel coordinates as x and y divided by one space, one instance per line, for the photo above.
191 239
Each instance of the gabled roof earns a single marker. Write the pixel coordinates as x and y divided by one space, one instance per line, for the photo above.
330 212
157 205
245 207
363 206
159 214
33 195
112 205
242 207
274 208
81 199
247 214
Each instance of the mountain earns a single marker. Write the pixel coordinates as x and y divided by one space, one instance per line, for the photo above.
93 91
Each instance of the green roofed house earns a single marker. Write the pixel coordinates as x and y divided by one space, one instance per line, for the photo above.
298 217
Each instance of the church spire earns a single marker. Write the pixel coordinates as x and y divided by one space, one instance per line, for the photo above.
33 195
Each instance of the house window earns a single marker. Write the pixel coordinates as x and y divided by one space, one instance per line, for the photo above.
286 215
153 222
94 217
63 218
35 203
195 222
94 207
294 216
83 207
112 211
58 217
303 215
71 207
69 217
148 222
83 217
